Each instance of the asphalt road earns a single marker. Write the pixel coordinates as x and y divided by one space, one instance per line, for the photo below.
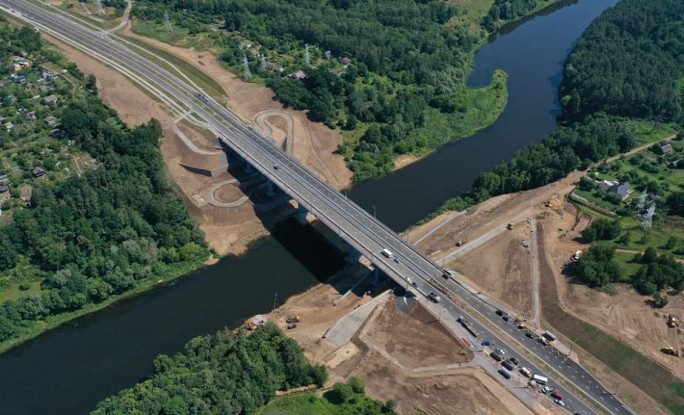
355 225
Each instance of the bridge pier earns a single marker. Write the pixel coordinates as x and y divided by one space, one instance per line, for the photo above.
377 276
303 215
353 256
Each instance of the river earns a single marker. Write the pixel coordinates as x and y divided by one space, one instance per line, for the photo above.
69 369
532 54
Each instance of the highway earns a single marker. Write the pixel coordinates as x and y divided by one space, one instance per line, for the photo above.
360 229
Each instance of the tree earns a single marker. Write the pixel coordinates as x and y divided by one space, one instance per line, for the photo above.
357 384
339 393
659 300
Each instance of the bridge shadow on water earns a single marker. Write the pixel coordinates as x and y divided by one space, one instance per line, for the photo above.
313 246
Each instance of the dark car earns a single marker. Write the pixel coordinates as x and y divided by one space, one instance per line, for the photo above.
505 317
500 312
514 361
275 167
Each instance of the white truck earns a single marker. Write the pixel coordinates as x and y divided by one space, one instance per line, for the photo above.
540 379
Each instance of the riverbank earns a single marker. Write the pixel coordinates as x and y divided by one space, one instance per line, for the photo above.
53 322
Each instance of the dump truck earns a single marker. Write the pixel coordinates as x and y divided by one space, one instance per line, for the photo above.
468 326
292 318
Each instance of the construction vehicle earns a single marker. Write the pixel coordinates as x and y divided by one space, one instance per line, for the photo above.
672 321
291 326
670 350
576 256
292 318
509 226
462 242
250 326
468 326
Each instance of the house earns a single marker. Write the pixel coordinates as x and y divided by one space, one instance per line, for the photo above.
38 172
51 120
623 190
605 185
50 99
299 75
664 149
677 164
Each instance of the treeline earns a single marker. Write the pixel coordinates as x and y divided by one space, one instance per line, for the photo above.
98 235
597 268
224 373
565 150
507 10
405 60
629 63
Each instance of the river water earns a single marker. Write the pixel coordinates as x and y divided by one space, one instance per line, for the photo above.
70 369
532 53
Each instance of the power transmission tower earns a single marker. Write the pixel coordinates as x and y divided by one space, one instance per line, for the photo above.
245 65
307 55
100 9
263 65
167 22
648 217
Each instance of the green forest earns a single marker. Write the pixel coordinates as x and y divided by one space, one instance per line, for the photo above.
391 72
629 62
232 372
602 129
91 237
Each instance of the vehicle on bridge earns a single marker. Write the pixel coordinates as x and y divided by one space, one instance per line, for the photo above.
387 253
434 297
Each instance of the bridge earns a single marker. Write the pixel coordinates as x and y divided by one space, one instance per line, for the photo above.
366 235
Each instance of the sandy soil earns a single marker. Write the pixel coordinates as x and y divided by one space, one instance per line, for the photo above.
493 213
466 391
502 270
314 143
420 342
416 338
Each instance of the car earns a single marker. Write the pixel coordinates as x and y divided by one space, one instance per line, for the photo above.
557 395
486 343
546 389
526 372
505 317
396 260
415 284
543 340
529 334
501 351
275 167
434 297
559 403
500 312
514 361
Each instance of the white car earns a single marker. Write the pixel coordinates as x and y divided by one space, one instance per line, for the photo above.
559 403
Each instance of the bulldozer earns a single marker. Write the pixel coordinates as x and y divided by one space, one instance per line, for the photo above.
670 350
672 321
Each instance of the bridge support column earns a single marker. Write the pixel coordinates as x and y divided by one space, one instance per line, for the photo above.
353 256
303 215
377 276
